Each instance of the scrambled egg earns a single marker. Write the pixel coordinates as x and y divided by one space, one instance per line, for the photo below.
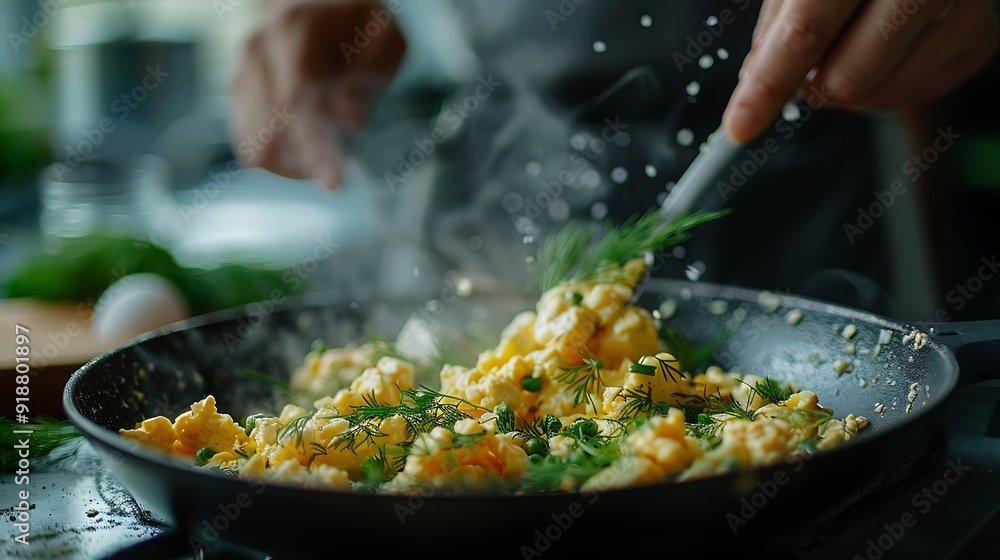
581 393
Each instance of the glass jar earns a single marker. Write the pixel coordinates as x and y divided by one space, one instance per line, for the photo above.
98 197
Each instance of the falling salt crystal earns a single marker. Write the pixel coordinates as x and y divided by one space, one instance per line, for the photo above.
668 308
599 210
712 21
669 186
685 137
723 54
793 317
884 336
475 243
559 210
590 179
463 286
529 259
661 198
528 239
679 252
599 46
694 271
533 168
650 170
706 61
619 175
622 139
416 272
686 294
578 142
693 88
718 307
645 21
791 112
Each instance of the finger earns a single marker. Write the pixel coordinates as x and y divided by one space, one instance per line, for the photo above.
313 137
872 49
250 108
767 14
799 36
938 63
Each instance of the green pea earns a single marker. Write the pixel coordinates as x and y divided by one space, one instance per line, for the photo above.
536 446
251 421
531 384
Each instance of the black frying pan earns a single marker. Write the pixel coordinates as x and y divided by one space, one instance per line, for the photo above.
759 511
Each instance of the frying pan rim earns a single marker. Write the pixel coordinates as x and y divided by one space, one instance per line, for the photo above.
313 300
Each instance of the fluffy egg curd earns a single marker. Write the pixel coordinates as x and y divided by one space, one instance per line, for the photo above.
582 393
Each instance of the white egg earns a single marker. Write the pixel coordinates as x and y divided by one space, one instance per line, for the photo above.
134 305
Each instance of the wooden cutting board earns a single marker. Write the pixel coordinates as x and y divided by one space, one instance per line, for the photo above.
59 342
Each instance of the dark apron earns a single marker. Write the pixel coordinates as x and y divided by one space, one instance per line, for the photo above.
591 111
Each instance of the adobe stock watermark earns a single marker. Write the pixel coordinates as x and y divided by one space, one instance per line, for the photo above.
964 292
900 15
380 20
451 119
250 147
764 492
225 7
922 503
562 13
122 107
294 278
32 26
228 513
757 157
524 210
696 45
546 537
914 168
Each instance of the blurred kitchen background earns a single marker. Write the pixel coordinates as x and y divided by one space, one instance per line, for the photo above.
113 121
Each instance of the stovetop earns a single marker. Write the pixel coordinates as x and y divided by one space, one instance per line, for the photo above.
948 507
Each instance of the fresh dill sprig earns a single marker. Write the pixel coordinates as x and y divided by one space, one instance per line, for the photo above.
583 380
47 435
691 358
716 404
772 390
639 403
422 409
570 253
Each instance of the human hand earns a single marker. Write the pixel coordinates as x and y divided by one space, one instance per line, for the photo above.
855 54
311 72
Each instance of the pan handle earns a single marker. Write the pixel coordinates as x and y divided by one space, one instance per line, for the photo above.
976 345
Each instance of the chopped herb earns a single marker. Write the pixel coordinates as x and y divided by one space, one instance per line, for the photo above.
584 381
642 369
203 455
569 253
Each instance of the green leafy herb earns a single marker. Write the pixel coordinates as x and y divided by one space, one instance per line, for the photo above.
584 381
569 253
772 390
639 403
716 404
47 436
642 369
691 358
204 455
422 409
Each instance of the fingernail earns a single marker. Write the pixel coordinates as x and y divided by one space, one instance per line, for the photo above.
741 123
329 176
